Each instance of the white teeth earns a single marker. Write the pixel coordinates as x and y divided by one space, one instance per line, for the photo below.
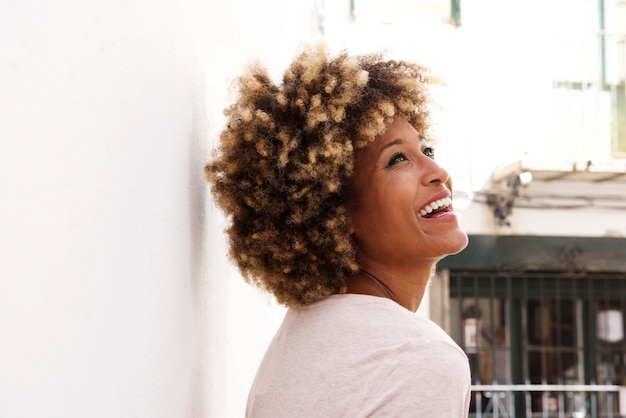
446 201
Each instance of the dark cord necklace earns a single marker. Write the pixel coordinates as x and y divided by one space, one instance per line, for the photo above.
382 287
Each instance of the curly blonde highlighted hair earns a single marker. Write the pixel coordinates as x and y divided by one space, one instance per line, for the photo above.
283 166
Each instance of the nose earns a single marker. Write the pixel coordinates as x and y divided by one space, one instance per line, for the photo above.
434 173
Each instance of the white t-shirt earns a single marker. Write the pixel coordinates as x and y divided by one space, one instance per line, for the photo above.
360 356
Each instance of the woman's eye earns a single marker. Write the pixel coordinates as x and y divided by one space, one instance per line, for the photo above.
396 158
429 152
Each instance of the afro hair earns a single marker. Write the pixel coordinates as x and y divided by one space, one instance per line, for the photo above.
285 158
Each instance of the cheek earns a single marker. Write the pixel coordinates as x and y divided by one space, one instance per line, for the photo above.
383 206
367 214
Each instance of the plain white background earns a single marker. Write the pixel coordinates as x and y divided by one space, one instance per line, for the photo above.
116 297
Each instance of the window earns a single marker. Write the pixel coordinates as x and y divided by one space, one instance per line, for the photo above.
588 72
613 21
541 344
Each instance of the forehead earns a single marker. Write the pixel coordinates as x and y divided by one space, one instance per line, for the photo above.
401 126
399 132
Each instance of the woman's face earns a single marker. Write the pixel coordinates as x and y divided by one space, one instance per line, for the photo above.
402 212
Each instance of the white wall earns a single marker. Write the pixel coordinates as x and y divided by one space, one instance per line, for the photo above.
116 297
100 206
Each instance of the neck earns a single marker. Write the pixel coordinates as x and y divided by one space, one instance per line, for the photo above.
406 290
381 287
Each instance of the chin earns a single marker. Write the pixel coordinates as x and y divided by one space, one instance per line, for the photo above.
460 243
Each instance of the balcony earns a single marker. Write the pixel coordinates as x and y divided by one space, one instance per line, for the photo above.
549 401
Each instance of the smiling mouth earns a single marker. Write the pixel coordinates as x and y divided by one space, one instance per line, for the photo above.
440 205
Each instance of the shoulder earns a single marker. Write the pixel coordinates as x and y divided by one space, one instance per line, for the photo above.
361 333
398 360
367 316
430 379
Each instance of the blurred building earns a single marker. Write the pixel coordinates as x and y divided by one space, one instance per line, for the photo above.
534 135
535 138
533 132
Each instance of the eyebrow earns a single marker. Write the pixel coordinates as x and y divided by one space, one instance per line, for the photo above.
399 141
396 141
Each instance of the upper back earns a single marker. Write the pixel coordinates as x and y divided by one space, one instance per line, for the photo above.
359 355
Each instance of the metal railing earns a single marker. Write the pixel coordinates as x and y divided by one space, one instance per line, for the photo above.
548 401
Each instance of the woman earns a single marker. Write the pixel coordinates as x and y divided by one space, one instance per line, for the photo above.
337 207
